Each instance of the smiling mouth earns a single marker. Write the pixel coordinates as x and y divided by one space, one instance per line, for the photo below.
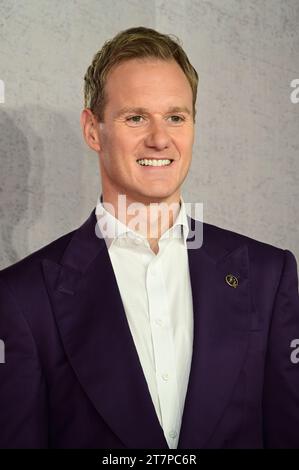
154 162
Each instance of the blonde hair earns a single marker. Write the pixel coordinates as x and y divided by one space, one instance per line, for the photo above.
133 43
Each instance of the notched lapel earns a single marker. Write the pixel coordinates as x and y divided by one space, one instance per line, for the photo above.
97 339
222 321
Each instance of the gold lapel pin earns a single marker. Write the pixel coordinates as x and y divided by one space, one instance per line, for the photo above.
231 280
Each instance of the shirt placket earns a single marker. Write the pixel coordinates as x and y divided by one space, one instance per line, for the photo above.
164 351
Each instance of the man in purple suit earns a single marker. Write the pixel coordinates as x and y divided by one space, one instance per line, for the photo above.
149 331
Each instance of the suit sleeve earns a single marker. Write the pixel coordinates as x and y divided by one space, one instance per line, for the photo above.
281 380
23 415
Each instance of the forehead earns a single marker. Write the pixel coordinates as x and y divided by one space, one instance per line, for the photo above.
147 79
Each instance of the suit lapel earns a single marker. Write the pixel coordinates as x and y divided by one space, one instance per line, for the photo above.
221 325
98 343
97 339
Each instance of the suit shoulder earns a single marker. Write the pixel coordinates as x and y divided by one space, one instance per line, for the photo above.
30 264
257 249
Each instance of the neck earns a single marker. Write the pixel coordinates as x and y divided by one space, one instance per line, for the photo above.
150 218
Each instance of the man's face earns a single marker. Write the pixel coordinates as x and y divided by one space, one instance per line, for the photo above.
148 115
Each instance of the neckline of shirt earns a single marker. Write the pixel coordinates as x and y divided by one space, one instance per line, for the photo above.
119 230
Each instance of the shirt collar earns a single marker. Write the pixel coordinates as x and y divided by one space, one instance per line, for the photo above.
112 228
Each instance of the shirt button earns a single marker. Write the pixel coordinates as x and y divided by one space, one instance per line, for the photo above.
173 434
137 241
159 322
165 377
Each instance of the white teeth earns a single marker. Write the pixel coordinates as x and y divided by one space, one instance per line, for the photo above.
146 162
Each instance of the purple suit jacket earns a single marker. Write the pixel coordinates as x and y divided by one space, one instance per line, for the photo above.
72 376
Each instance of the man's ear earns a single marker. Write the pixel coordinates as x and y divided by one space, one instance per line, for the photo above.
90 129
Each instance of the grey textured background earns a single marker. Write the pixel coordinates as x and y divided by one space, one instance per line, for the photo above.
245 166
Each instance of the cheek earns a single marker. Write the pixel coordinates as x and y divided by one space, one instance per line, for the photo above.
110 148
184 140
118 157
185 147
121 144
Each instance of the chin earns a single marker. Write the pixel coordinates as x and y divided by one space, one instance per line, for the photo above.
157 196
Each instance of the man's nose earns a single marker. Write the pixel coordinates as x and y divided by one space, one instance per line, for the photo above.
157 136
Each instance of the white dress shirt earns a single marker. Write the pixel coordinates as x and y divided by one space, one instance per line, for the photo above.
157 298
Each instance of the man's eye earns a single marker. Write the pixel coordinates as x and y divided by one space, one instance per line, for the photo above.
134 119
177 118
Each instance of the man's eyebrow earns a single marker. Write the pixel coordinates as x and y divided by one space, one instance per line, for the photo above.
140 110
